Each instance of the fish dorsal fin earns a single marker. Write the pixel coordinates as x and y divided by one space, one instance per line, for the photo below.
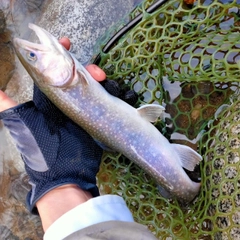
188 157
151 112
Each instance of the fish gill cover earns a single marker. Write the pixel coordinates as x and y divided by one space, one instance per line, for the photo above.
186 58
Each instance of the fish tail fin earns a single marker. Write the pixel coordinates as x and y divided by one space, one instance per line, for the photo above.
188 157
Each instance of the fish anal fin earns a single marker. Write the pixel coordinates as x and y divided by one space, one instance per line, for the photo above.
164 193
188 157
151 112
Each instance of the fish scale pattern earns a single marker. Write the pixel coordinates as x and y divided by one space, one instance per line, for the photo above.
184 57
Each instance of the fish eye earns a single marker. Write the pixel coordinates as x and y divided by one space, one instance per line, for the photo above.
31 56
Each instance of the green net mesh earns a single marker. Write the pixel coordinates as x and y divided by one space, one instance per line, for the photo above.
185 58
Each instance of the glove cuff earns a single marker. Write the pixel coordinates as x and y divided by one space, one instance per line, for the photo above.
17 109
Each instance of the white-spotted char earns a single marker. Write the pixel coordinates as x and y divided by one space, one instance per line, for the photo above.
109 120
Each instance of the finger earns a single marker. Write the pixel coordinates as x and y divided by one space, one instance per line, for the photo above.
65 42
97 73
6 102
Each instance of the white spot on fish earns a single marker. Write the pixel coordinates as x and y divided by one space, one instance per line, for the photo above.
154 154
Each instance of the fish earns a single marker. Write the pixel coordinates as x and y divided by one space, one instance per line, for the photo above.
109 120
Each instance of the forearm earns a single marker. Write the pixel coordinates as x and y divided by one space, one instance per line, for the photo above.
59 201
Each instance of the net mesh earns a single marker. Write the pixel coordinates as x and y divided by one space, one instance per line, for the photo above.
185 58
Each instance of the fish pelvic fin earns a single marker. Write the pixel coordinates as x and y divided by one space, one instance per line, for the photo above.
104 146
188 157
151 112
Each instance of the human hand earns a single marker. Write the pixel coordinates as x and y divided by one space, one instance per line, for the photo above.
97 73
44 136
54 149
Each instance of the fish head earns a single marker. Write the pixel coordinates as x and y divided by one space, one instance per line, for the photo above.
47 62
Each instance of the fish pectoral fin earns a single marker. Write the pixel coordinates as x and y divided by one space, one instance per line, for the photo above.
151 112
188 157
82 78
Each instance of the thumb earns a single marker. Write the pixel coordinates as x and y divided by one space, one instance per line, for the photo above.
6 102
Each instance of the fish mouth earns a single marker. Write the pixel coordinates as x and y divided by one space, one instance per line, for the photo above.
49 50
49 45
47 41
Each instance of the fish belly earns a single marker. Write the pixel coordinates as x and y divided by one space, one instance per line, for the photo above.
120 127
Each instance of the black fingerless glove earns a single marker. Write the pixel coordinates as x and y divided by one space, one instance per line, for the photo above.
127 95
54 149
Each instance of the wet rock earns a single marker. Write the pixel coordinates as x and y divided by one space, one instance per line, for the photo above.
7 233
7 62
2 21
83 21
